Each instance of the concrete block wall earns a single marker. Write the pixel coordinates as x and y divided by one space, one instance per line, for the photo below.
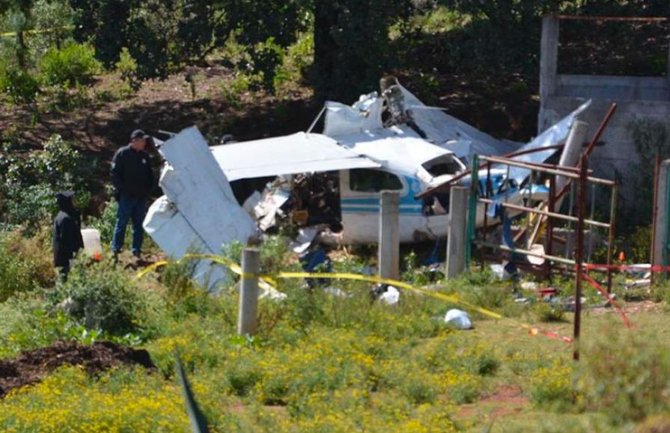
636 98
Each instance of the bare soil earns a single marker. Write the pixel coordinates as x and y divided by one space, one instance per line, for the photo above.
30 367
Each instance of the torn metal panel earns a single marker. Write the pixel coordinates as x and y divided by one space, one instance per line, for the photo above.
364 115
451 133
290 154
199 210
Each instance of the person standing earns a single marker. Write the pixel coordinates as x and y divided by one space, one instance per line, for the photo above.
133 181
67 240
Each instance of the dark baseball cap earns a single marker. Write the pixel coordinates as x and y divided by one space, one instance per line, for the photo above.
64 194
138 133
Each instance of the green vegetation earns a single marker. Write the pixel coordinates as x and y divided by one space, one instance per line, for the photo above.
323 362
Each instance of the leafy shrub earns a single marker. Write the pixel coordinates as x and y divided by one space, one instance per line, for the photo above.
552 385
103 298
127 67
177 278
106 222
298 58
548 312
72 65
20 85
30 181
25 264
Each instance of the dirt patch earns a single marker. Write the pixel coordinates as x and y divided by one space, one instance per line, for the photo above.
31 367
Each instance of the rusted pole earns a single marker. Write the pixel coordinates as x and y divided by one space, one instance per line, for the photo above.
612 234
601 129
579 253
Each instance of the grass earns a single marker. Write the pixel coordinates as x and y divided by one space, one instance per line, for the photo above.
322 363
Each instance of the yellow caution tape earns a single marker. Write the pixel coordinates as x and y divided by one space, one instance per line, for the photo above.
271 279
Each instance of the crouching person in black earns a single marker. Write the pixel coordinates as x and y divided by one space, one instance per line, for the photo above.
67 238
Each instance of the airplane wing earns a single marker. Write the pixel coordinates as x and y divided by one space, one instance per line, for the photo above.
289 154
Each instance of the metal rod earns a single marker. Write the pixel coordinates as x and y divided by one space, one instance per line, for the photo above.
571 206
472 211
526 252
654 219
591 217
316 119
487 194
530 201
531 166
549 236
545 213
612 234
601 129
579 254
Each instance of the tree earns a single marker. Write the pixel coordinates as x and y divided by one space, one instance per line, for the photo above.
351 44
20 10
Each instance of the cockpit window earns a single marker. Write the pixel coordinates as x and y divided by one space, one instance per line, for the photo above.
445 164
367 180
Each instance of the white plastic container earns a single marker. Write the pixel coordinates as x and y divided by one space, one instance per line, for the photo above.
92 245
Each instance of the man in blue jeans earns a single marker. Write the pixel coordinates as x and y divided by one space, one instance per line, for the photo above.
133 181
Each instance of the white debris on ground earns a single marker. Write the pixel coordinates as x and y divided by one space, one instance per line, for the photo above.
459 319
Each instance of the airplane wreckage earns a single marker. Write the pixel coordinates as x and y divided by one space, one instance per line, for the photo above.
330 182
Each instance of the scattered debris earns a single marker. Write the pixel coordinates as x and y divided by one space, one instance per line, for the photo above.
30 367
386 294
333 178
459 319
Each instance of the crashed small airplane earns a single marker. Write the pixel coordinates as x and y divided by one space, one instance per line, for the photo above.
390 141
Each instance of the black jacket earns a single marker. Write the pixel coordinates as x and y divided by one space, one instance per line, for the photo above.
131 172
66 234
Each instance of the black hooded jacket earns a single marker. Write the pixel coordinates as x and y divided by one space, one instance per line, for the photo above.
67 238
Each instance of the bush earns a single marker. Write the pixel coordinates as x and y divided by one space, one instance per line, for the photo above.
552 386
25 264
127 67
30 182
548 312
106 222
72 65
21 86
103 298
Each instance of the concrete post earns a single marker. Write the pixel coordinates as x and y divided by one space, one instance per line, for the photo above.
247 319
548 57
457 235
389 235
661 216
